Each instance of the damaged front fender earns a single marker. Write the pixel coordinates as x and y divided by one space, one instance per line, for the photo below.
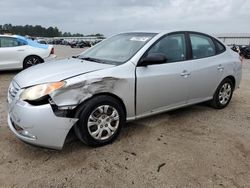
80 88
75 94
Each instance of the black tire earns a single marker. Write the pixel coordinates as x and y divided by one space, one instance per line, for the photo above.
216 101
31 61
84 112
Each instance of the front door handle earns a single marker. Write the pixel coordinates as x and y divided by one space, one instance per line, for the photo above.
185 73
20 50
220 68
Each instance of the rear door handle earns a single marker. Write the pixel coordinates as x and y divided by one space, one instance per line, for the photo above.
20 50
220 68
185 73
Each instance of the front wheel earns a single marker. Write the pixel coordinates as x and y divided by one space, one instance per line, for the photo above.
223 94
100 121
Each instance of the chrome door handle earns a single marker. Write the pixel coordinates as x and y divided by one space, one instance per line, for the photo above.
220 68
185 73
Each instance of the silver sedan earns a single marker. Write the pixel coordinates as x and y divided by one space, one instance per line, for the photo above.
124 78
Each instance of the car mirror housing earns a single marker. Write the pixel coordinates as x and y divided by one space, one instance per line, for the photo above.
153 58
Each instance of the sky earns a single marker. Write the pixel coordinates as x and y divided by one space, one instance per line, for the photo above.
114 16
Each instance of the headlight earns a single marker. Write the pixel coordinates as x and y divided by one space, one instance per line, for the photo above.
38 91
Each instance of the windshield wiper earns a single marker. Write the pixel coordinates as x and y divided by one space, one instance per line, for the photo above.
92 59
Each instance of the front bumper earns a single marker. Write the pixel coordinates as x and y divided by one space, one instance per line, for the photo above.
38 125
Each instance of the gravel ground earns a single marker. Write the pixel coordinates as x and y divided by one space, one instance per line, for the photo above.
192 147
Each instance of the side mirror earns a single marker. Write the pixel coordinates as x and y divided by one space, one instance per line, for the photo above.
153 58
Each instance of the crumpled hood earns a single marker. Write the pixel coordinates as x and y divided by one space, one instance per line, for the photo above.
56 71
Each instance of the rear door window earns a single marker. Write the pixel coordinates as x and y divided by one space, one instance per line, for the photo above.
6 42
202 46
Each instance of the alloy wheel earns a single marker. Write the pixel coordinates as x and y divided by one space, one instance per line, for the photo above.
225 93
103 122
32 61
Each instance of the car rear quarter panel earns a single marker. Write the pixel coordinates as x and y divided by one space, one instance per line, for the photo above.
232 66
43 53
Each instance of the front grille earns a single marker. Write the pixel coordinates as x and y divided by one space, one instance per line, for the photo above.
13 89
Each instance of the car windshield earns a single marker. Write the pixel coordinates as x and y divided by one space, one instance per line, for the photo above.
117 49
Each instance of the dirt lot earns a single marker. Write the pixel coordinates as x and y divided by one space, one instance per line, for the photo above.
195 147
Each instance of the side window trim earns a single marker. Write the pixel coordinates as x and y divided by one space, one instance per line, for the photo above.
188 46
168 34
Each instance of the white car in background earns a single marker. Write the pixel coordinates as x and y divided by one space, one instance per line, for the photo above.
17 52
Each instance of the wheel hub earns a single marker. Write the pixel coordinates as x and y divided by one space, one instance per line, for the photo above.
103 122
225 93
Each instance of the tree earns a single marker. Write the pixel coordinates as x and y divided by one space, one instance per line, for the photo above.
39 31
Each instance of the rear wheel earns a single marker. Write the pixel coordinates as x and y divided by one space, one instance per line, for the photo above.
100 121
223 94
31 61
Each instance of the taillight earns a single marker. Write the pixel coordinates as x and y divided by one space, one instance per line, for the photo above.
52 51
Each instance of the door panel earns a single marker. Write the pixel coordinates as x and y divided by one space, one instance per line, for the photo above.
204 79
163 86
206 68
11 57
11 54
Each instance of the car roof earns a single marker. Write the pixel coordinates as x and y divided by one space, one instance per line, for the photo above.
6 36
14 36
162 32
20 37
